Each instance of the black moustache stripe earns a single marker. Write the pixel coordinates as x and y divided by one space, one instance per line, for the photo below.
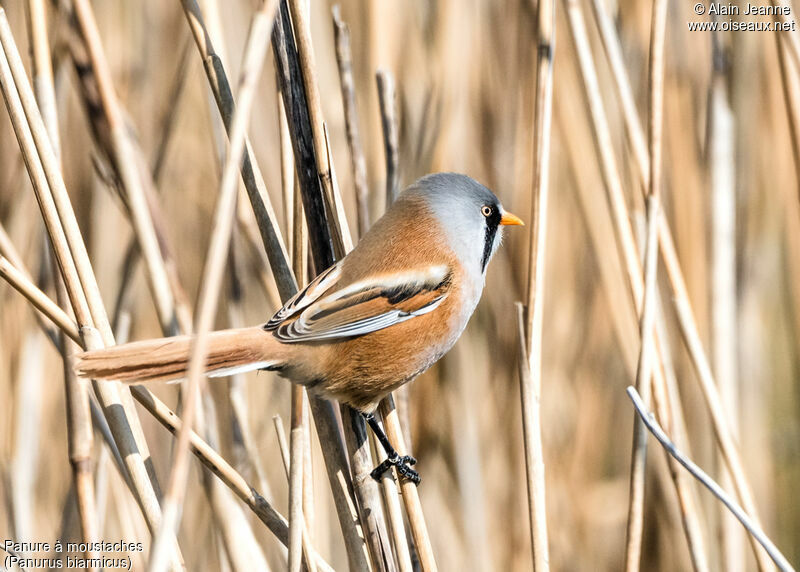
492 224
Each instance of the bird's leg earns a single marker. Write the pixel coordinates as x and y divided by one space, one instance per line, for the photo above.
393 459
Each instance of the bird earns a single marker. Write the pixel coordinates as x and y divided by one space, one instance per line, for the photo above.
373 321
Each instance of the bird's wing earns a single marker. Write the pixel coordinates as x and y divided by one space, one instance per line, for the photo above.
307 296
362 307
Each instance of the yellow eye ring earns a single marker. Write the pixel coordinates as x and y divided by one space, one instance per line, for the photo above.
486 210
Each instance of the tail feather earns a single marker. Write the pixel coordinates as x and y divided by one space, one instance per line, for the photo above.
166 359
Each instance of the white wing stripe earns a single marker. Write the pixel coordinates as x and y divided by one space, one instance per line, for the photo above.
300 331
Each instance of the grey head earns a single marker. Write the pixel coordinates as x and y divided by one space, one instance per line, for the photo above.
470 214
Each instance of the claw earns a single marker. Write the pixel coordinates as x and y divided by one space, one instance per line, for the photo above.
402 465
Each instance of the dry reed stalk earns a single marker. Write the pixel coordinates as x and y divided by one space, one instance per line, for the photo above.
358 164
747 521
22 284
324 250
791 94
789 32
367 492
633 546
296 520
689 332
236 540
335 205
126 160
644 371
20 279
274 246
251 174
27 437
530 321
212 276
388 107
42 70
290 79
416 518
290 216
637 141
390 132
274 521
286 458
236 535
125 294
357 440
613 51
298 461
305 53
355 431
627 246
299 414
8 251
169 118
397 528
79 420
75 267
299 253
722 158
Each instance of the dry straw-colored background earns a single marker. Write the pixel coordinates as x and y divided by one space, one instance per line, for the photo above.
465 81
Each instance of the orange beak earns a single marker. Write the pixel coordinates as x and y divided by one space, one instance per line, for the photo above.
511 219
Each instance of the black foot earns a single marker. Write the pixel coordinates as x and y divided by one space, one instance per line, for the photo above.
403 468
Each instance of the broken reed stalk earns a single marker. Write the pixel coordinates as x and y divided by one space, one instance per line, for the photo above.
747 521
628 250
686 321
633 546
388 106
530 325
215 264
76 269
358 163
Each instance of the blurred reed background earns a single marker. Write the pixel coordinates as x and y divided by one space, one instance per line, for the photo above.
464 73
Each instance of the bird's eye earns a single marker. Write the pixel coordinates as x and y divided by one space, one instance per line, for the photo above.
486 210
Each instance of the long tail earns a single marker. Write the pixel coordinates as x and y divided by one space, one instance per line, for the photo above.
165 359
